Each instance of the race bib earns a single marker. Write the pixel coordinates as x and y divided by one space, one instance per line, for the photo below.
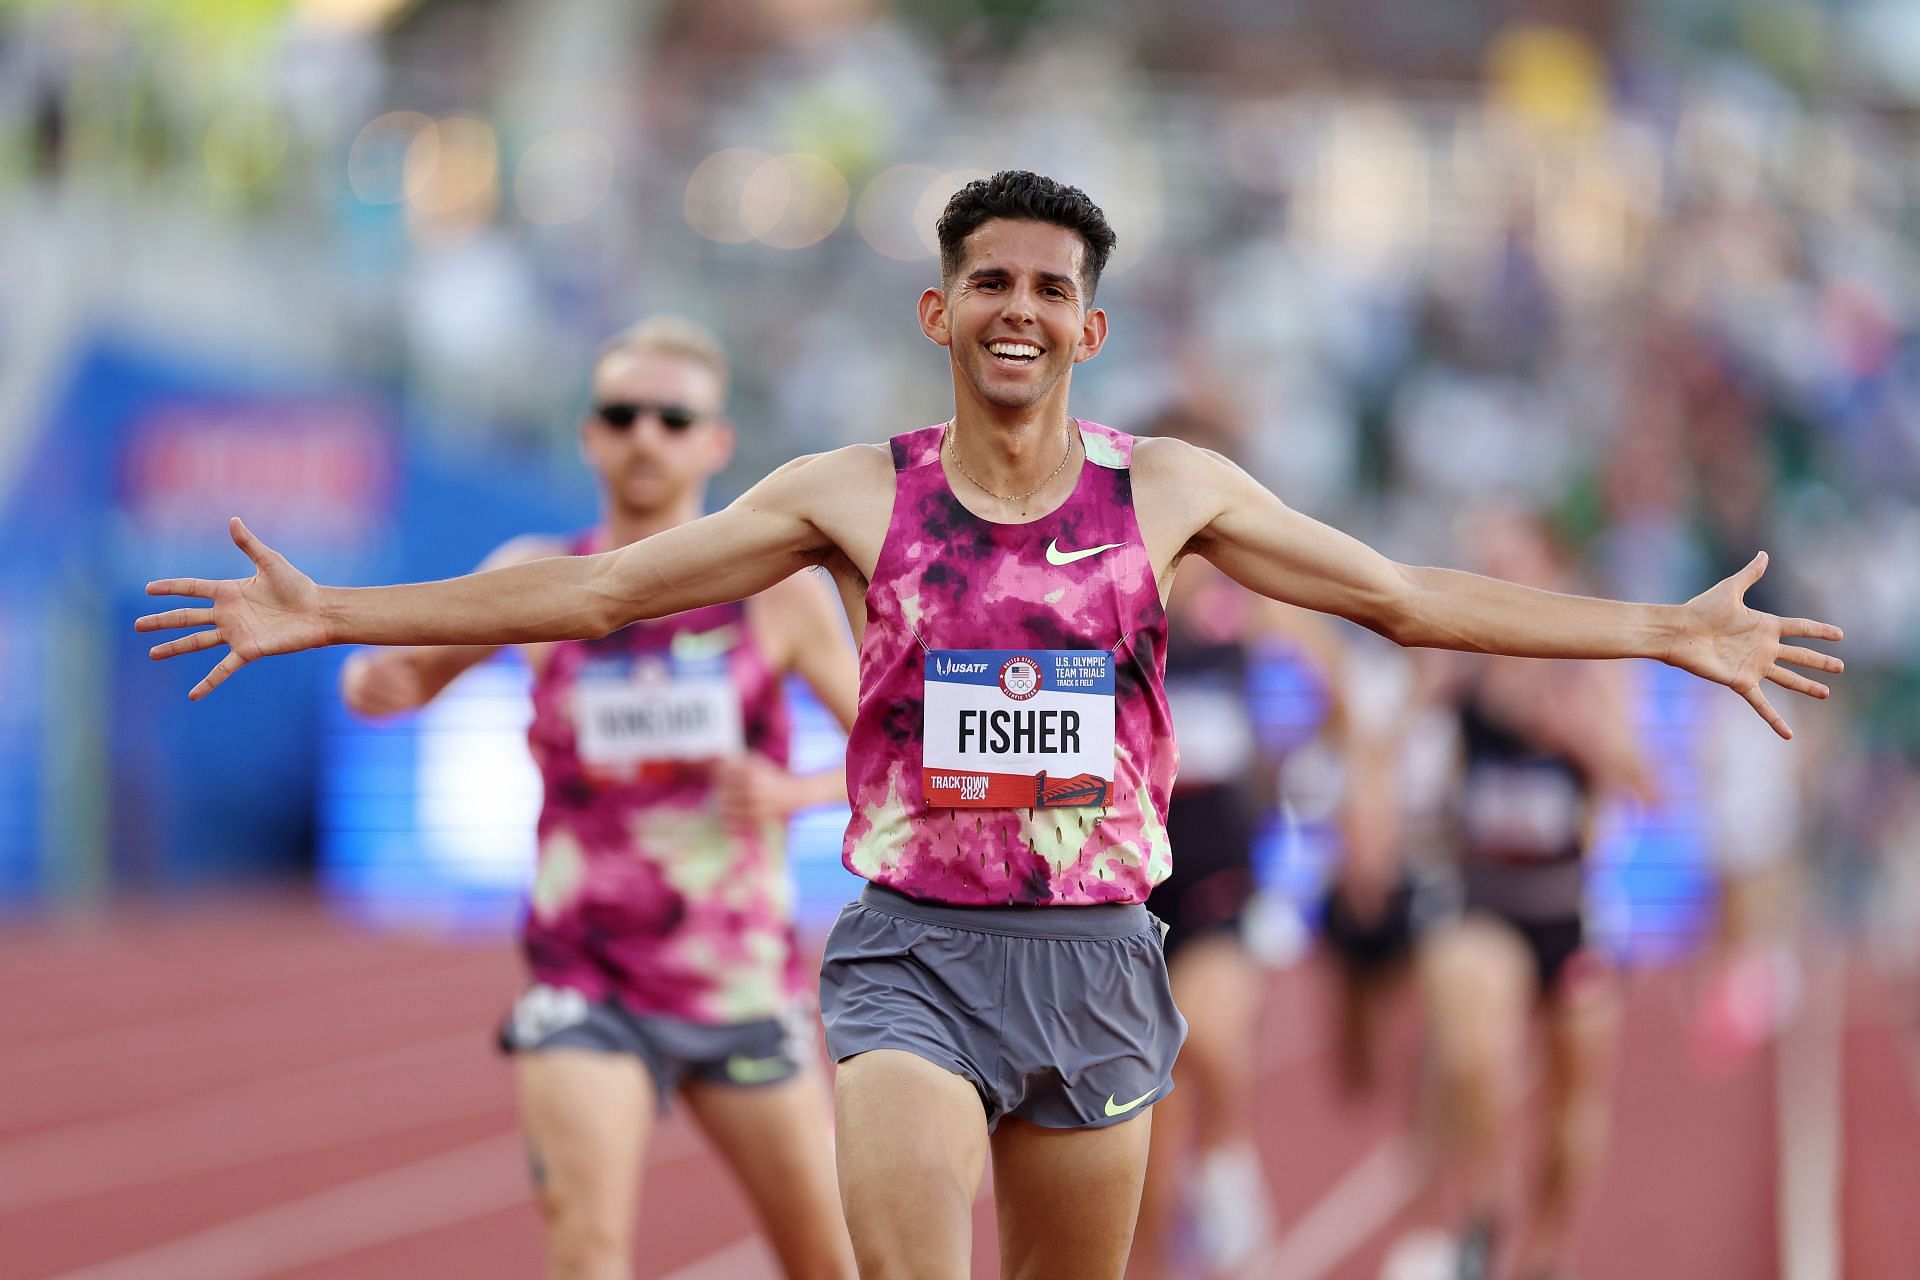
1018 729
632 715
1522 812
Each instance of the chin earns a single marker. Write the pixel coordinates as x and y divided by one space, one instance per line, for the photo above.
1002 395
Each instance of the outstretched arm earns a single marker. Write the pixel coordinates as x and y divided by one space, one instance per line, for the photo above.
1264 544
764 536
386 682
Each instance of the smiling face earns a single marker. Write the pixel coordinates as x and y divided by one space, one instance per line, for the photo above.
645 468
1014 317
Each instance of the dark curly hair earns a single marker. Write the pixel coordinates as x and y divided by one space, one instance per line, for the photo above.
1023 195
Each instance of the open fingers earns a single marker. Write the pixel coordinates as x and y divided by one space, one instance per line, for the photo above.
199 587
185 644
1809 658
218 676
257 551
1789 679
1758 701
174 619
1812 630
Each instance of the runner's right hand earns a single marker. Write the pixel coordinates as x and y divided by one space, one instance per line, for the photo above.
277 610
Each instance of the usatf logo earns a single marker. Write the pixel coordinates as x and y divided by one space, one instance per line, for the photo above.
948 667
1020 678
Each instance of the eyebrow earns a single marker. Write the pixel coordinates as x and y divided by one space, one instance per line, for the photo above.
1002 273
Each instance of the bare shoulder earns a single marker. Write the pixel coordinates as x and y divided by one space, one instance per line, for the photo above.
1178 490
845 494
1167 468
857 465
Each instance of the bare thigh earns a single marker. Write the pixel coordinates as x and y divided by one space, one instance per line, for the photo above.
586 1117
1476 983
1066 1199
1217 986
1581 1030
777 1141
912 1144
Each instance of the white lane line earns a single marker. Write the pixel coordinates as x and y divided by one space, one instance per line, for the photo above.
232 1026
1342 1220
456 1186
469 1182
1807 1110
283 1115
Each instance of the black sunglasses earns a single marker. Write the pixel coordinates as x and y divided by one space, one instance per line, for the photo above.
622 414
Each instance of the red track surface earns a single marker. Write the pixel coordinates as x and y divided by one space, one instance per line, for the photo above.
258 1090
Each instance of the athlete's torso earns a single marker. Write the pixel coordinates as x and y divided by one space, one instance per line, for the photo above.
1207 687
643 892
1521 801
1033 604
1523 817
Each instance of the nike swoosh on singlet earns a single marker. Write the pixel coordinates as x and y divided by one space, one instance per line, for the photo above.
1056 556
694 645
1121 1108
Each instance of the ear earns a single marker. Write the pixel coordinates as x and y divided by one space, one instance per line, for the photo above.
721 438
933 317
1093 335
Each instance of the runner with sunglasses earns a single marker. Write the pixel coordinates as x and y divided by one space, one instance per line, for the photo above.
660 932
999 986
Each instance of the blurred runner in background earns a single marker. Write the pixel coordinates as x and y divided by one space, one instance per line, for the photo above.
1388 884
1541 746
660 934
1753 788
1202 1160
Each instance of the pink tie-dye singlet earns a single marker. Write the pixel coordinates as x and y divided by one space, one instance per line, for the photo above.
643 894
950 583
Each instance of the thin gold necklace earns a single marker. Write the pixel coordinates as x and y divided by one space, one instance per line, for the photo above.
953 451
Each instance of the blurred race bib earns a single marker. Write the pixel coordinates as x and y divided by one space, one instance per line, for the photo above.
657 712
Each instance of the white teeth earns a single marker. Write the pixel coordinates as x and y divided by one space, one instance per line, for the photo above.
1013 349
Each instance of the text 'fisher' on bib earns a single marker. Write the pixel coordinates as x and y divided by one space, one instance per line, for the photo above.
1018 729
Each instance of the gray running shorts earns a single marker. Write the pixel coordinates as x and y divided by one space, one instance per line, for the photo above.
1061 1016
744 1054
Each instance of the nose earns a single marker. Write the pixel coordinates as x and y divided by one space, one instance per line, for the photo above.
1019 307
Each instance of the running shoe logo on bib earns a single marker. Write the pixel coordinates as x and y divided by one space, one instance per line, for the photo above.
1056 556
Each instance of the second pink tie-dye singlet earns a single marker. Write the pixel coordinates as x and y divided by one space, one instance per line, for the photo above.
1011 607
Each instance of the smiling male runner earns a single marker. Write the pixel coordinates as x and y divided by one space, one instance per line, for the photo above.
660 932
999 986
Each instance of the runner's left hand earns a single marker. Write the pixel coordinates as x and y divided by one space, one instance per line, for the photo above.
751 790
1722 640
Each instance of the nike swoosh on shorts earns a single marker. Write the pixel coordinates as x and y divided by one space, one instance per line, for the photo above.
1056 556
1121 1108
744 1070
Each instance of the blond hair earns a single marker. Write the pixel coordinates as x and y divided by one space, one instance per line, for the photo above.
673 336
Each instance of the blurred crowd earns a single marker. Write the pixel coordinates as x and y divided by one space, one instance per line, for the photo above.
1651 270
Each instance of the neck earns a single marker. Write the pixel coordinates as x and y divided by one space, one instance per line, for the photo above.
1011 450
626 524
